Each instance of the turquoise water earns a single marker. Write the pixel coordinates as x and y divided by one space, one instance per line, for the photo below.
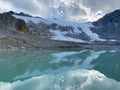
71 69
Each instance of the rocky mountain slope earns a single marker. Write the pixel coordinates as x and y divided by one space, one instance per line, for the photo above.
24 31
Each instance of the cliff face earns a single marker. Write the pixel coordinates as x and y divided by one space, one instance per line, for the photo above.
22 30
111 20
7 21
108 27
21 26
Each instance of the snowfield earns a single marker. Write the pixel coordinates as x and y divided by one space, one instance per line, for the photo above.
61 35
58 35
86 29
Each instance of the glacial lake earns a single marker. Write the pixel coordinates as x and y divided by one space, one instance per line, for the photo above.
68 69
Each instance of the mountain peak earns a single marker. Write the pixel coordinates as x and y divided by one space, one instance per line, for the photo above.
11 12
52 32
20 14
109 19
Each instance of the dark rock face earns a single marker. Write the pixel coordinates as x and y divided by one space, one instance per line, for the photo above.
7 21
112 18
38 35
108 27
21 26
65 28
20 14
41 29
53 26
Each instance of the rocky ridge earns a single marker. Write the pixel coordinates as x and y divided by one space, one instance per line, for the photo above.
24 31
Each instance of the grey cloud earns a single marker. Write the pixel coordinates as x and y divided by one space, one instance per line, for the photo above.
103 5
30 6
22 4
76 9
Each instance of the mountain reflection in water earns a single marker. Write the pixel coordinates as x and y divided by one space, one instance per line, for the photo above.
59 69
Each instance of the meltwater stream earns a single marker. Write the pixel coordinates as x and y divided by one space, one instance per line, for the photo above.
59 69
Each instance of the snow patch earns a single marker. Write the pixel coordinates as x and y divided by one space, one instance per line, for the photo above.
59 35
28 19
65 23
84 26
86 29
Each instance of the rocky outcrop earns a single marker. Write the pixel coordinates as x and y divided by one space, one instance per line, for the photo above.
21 26
108 27
111 20
39 35
7 20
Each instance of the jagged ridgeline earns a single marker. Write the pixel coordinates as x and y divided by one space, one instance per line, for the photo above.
108 27
8 22
23 30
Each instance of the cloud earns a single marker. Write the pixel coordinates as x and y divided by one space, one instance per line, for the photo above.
33 7
5 6
74 10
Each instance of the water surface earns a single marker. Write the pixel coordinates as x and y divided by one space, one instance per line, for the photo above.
71 69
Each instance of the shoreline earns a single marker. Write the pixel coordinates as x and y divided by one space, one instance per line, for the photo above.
75 47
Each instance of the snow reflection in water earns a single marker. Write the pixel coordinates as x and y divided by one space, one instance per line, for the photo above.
59 70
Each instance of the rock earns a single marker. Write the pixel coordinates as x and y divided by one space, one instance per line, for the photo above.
108 27
112 18
21 26
39 35
7 20
53 26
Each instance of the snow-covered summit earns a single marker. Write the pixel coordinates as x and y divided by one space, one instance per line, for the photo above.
27 30
72 34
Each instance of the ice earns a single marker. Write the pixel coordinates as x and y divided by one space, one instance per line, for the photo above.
28 19
59 35
84 26
86 29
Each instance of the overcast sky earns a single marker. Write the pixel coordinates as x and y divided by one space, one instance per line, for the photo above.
74 10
